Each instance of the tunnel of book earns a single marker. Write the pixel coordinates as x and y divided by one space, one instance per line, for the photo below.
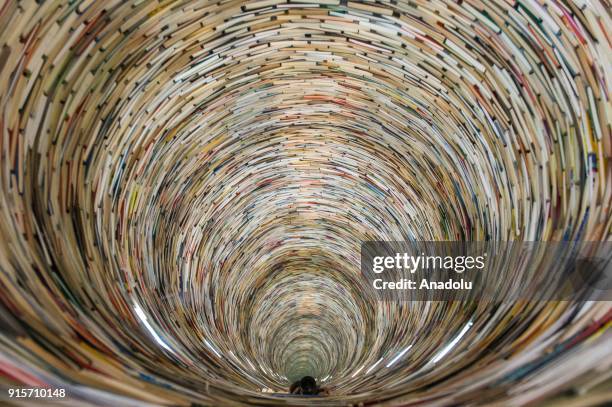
186 185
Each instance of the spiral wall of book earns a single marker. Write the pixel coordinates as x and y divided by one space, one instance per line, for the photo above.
185 187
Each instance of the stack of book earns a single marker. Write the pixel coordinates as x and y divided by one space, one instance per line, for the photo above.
185 187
